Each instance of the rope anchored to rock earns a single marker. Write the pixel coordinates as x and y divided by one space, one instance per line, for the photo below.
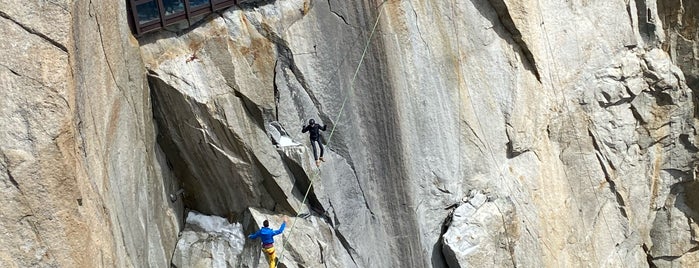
337 119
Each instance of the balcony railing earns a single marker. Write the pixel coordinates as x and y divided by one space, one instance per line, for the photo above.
151 15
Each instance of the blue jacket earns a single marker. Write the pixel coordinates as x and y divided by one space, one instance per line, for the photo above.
267 234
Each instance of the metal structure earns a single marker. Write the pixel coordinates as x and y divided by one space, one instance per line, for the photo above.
151 15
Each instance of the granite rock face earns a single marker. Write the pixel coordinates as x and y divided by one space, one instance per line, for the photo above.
680 20
479 233
578 136
460 133
208 241
308 241
84 183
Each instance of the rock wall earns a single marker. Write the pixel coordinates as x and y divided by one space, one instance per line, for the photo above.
40 219
681 26
462 132
579 137
123 172
84 183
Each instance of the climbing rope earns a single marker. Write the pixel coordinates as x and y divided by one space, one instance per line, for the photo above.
335 123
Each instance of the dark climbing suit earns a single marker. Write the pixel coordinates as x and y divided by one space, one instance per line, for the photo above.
315 137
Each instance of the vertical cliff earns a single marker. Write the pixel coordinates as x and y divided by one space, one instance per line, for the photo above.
680 25
84 181
575 136
461 133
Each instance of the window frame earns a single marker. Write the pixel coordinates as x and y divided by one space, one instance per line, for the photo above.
166 20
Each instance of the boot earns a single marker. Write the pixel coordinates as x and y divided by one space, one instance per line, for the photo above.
321 159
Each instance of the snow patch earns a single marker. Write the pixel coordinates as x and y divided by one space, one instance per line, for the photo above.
286 141
218 226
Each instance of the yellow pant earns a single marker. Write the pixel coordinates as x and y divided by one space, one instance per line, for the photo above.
271 256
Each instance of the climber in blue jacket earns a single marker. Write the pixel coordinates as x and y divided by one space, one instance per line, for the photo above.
314 130
266 234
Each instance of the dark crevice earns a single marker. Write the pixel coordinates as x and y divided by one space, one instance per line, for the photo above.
35 32
663 99
649 256
286 56
687 193
511 152
334 219
345 244
417 25
11 70
616 103
24 217
343 241
109 65
645 23
251 109
276 92
322 255
506 20
303 183
637 115
675 257
630 14
285 59
657 141
688 145
12 180
337 14
359 185
438 259
608 176
9 174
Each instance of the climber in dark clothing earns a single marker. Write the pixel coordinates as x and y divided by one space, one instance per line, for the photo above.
314 130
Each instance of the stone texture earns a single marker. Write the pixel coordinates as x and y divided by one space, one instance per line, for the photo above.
124 176
467 133
212 112
307 241
577 135
680 20
478 234
83 184
40 220
208 241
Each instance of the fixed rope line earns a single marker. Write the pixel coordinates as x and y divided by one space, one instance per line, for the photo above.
356 72
332 131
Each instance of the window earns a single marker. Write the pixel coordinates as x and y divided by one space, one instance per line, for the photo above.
151 15
173 6
198 3
148 12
